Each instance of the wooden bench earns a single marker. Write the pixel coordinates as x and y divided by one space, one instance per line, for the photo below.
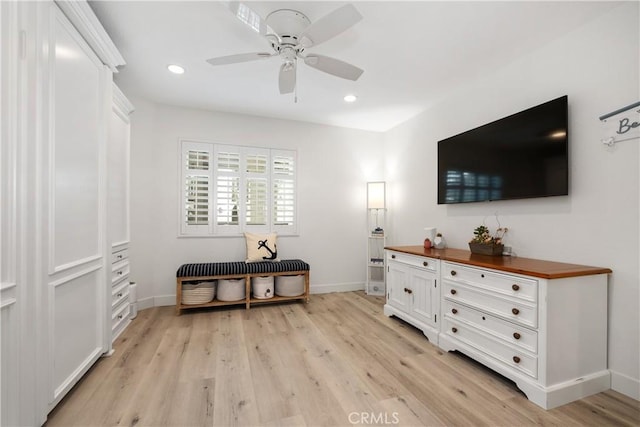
190 273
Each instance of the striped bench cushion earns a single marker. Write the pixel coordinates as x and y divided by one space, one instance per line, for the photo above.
240 268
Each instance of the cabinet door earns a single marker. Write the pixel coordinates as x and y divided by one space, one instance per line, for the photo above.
424 303
73 203
397 281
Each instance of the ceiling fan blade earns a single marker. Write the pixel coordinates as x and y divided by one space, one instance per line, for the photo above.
249 17
287 78
330 25
333 66
242 57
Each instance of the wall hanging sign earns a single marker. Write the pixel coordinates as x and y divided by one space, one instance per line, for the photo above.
621 125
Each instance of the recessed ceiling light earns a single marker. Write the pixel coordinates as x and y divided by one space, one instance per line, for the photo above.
350 98
176 69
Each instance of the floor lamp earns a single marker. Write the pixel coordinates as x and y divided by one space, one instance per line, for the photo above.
376 200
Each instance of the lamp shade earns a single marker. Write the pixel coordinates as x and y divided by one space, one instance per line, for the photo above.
375 195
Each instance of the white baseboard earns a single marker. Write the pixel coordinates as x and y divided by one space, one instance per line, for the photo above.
338 287
625 385
145 303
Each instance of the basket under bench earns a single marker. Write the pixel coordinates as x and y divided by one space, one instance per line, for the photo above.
240 270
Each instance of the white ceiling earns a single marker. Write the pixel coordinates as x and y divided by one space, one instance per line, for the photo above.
412 52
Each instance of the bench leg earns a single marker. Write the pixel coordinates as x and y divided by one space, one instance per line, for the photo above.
178 297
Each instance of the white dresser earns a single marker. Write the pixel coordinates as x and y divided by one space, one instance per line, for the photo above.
541 324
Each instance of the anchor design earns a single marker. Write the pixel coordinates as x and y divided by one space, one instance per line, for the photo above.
263 244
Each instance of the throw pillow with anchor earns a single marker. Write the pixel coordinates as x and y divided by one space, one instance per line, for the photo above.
261 247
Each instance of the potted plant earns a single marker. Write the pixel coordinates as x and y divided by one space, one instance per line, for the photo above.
485 243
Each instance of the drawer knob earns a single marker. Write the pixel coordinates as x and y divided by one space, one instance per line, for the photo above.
409 291
425 263
453 291
119 316
516 359
119 295
393 257
515 287
454 330
515 311
119 256
454 310
516 335
119 273
453 272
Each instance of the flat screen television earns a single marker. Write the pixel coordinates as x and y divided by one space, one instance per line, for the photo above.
521 156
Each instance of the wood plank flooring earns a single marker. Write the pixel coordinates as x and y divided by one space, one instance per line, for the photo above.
337 361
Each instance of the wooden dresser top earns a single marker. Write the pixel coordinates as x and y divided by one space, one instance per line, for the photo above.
525 266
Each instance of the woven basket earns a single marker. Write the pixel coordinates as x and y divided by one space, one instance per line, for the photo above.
198 293
290 286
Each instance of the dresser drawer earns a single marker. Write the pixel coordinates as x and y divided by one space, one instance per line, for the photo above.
504 284
501 329
119 271
120 255
119 293
511 356
412 260
507 308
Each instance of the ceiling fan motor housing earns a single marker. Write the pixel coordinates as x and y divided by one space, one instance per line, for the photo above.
288 24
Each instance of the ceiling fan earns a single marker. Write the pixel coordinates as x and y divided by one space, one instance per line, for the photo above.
290 33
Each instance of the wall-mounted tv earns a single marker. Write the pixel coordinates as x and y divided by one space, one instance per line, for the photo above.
521 156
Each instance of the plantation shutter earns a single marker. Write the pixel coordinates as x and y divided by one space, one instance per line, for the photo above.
228 189
227 199
284 201
256 173
196 189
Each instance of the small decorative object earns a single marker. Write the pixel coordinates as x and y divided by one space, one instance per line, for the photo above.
427 243
431 235
438 242
485 243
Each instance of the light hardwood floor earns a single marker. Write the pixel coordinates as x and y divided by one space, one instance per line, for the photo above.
337 361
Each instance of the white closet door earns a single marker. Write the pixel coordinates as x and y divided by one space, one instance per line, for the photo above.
11 285
75 204
118 176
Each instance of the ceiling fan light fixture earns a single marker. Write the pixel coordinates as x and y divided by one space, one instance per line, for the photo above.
175 69
350 98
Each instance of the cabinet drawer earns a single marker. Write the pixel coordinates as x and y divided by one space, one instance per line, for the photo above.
120 313
504 284
513 357
119 271
501 329
507 308
120 255
119 293
415 261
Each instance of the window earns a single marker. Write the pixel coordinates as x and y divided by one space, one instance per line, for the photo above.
229 189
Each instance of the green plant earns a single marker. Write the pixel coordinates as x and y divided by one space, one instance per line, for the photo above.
482 235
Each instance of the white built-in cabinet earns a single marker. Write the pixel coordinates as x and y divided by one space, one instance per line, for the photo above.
118 214
541 324
57 96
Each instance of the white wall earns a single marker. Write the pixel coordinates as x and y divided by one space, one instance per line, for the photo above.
597 66
334 166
